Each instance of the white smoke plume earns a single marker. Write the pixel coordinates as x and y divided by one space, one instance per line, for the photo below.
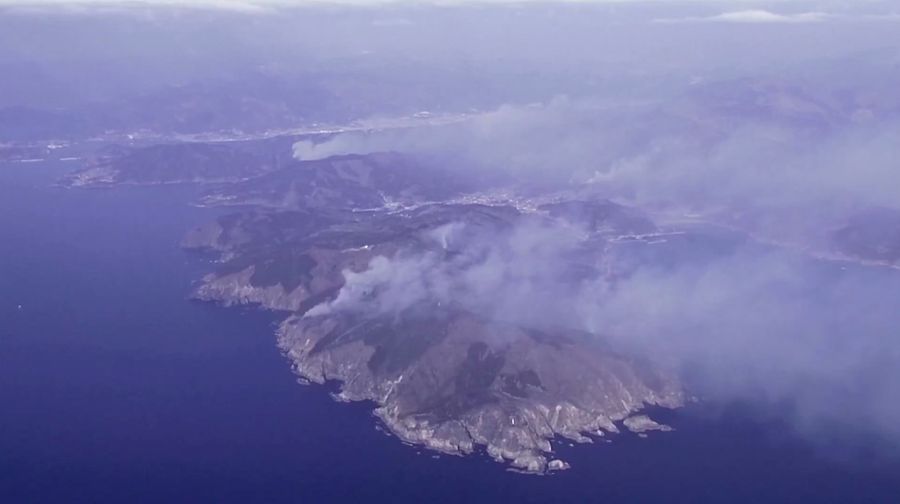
765 323
751 323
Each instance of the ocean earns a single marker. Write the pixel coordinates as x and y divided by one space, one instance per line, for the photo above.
114 387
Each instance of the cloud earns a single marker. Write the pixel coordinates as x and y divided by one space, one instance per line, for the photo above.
752 16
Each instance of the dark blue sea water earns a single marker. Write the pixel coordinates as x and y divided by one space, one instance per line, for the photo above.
115 388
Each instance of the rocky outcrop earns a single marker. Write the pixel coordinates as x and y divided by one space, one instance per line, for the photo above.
640 424
454 382
238 289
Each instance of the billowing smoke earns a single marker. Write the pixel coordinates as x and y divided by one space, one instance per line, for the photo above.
696 152
761 317
496 273
549 142
747 322
763 325
787 161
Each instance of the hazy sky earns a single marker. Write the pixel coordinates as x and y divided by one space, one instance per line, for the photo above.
713 11
251 4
